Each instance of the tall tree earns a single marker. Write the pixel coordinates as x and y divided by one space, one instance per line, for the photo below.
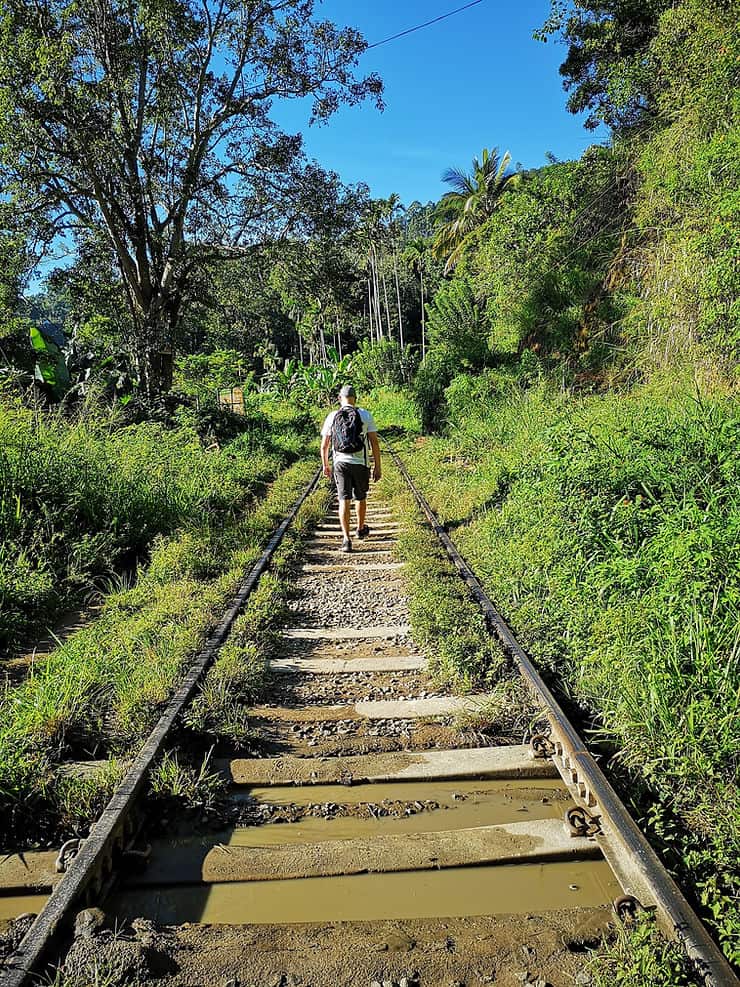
15 264
150 121
415 256
607 70
473 197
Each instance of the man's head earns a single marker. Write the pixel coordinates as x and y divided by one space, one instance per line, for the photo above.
348 395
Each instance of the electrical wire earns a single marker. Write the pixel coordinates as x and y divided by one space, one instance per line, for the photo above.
418 27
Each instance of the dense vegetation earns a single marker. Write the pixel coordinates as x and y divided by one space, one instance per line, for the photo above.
559 344
81 500
606 527
99 692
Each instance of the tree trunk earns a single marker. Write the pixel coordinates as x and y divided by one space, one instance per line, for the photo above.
378 310
370 310
423 314
387 307
376 286
153 355
322 339
398 299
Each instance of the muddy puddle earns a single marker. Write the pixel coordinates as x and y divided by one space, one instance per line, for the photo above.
452 893
11 906
347 812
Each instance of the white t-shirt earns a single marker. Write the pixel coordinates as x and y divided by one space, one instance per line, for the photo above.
360 458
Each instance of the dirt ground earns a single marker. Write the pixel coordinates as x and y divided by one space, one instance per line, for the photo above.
507 951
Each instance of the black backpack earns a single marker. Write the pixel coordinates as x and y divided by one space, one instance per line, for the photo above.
347 430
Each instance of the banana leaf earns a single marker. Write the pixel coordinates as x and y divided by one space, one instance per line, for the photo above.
51 368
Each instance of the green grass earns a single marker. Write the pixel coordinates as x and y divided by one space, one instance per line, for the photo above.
100 692
188 785
637 955
445 621
82 499
240 676
607 529
392 409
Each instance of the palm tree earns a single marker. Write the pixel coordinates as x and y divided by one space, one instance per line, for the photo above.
473 198
414 255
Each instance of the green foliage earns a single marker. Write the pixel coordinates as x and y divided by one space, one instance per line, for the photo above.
393 410
624 262
639 955
101 690
382 364
430 385
309 384
473 198
50 363
201 373
468 395
79 500
457 323
546 263
458 333
606 69
688 202
78 798
606 529
191 786
144 156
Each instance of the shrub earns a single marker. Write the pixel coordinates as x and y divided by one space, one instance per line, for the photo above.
382 364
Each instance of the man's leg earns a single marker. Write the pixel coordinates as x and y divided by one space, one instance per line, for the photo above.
344 496
344 508
361 506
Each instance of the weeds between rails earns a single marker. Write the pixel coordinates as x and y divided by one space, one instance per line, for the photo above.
99 693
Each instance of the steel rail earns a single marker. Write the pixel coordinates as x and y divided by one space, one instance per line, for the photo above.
635 863
94 864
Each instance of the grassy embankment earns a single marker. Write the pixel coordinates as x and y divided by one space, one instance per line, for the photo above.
606 528
99 692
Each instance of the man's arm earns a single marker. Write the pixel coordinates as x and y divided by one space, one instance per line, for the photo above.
325 443
375 446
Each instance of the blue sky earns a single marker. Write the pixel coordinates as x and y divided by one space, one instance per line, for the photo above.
474 80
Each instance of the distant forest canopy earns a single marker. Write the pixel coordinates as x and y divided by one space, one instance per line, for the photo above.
201 262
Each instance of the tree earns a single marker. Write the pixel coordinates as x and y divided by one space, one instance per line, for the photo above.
607 70
415 256
150 122
473 198
15 264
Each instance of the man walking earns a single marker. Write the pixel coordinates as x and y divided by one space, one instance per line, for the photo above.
348 431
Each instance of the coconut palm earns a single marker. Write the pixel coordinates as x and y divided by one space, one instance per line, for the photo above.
414 255
473 199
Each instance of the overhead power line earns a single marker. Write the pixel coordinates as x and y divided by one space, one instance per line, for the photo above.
418 27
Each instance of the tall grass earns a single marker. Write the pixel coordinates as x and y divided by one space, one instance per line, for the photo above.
81 499
607 528
99 692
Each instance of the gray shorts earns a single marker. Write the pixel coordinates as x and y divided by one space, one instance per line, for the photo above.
352 479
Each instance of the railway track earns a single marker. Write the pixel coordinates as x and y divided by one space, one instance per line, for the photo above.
380 839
